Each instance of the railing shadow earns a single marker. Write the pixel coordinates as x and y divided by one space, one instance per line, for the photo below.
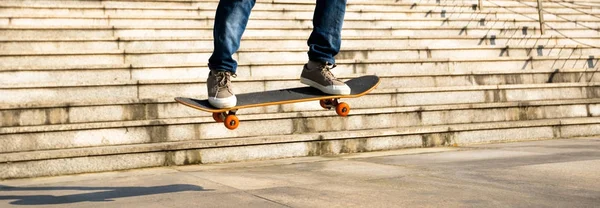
591 65
557 30
575 3
100 194
573 60
587 64
482 18
564 18
577 9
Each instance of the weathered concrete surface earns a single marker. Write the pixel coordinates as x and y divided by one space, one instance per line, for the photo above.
553 173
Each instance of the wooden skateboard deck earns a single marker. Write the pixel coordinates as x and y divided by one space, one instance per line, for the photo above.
359 87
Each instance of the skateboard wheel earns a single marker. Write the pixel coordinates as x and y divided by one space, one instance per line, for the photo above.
231 122
217 117
342 109
325 104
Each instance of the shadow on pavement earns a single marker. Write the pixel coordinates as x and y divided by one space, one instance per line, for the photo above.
105 194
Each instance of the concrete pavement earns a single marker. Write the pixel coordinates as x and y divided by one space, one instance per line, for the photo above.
554 173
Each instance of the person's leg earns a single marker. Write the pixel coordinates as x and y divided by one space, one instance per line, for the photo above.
324 43
230 22
326 38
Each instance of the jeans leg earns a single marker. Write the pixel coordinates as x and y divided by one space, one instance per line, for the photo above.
326 38
230 22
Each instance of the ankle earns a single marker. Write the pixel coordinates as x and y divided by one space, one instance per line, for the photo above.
312 65
227 73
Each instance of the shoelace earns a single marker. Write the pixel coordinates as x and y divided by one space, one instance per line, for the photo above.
326 71
224 79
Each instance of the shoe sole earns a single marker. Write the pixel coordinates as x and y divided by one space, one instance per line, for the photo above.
223 102
325 89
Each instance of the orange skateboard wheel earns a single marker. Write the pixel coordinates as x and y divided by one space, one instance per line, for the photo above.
231 122
342 109
217 117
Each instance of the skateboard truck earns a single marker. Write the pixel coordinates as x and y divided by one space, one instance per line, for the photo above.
230 120
342 109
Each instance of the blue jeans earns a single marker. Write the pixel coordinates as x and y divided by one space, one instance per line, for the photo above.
232 17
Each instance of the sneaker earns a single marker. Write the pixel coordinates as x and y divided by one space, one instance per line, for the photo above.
220 93
321 78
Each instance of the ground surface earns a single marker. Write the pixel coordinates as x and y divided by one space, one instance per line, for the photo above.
556 173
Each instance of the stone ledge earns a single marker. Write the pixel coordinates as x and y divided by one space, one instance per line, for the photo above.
303 38
268 78
265 79
280 27
84 160
298 63
290 115
307 18
350 3
375 92
490 9
251 50
245 141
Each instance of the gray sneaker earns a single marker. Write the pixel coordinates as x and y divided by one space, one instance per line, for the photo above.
322 79
220 94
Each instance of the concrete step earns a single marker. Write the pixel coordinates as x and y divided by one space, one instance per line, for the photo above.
578 56
489 5
534 2
193 127
288 42
127 92
73 76
123 157
151 31
117 3
27 76
128 20
255 56
579 6
383 6
292 12
165 108
529 2
568 4
265 3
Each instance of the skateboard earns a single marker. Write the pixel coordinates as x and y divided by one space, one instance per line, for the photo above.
359 87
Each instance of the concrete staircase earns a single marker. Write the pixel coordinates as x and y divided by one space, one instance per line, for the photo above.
88 86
